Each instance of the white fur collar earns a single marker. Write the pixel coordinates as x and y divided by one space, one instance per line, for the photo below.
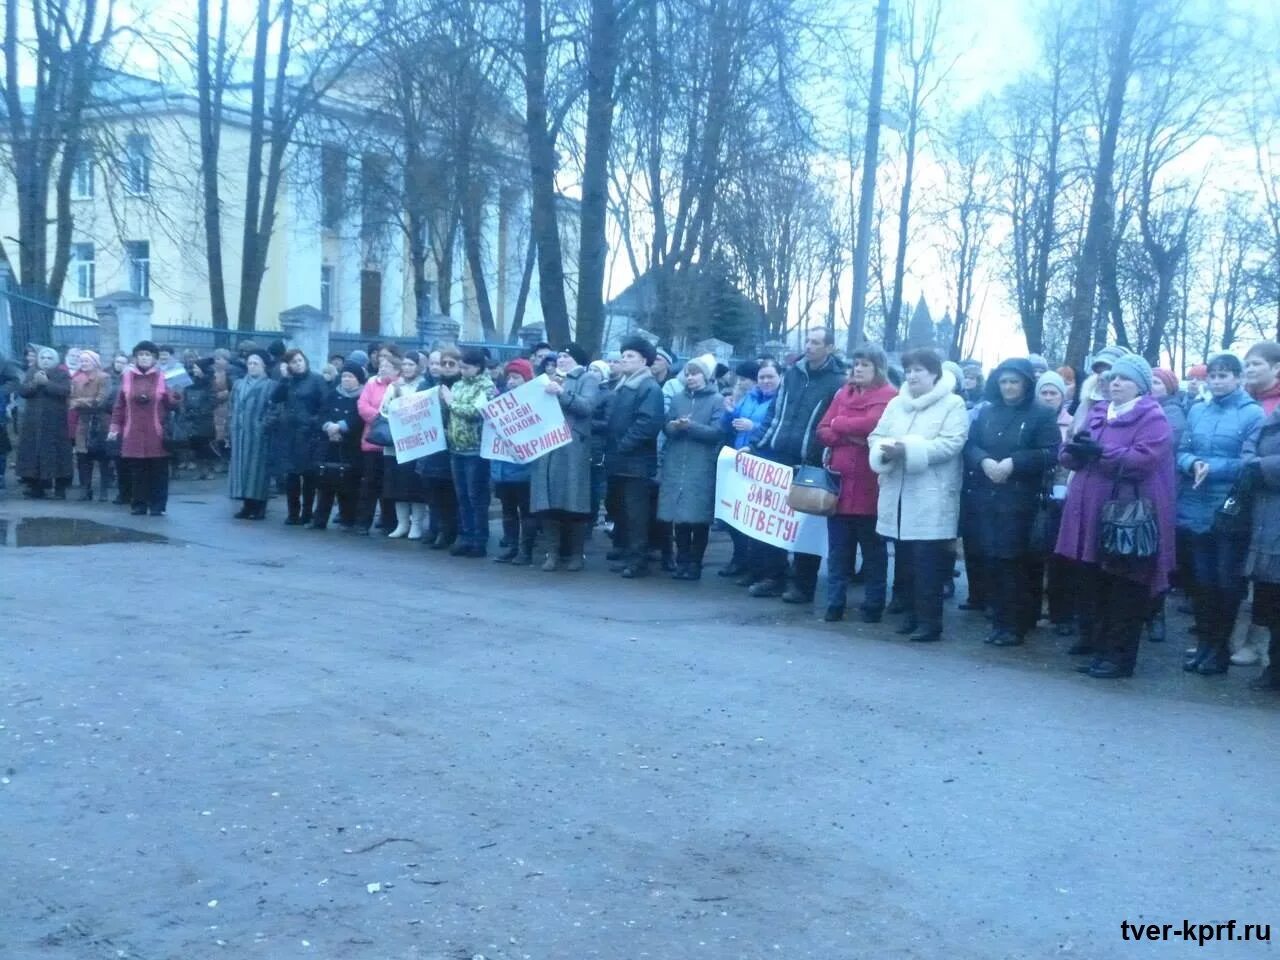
946 385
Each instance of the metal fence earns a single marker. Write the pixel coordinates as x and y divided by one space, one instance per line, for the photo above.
27 320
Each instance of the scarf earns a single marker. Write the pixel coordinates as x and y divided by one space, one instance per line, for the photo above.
634 380
1119 410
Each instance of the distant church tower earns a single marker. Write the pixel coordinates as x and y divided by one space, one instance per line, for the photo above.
920 331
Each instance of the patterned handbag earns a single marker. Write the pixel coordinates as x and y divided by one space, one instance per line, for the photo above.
1128 528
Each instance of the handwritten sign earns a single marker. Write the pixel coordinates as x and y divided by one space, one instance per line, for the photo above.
417 428
751 496
530 421
493 446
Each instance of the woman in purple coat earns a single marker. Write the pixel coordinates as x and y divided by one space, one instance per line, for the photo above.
1125 451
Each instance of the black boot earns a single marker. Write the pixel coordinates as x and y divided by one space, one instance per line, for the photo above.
245 512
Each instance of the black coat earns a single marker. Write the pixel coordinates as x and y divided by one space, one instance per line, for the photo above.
436 466
997 517
300 443
788 434
198 402
342 409
631 433
44 444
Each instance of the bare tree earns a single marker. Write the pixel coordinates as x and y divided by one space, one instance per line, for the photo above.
61 46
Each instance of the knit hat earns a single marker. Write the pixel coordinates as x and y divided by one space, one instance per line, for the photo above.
147 345
358 356
705 365
641 346
1198 372
1167 378
93 357
473 357
1051 378
1038 363
1132 367
356 370
748 370
600 369
665 355
1068 375
521 367
1109 356
874 355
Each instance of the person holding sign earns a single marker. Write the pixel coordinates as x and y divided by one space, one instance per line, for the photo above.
560 483
511 484
916 450
373 460
687 491
436 469
401 483
464 401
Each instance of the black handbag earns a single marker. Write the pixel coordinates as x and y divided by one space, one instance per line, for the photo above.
1128 527
379 432
95 434
1234 516
175 434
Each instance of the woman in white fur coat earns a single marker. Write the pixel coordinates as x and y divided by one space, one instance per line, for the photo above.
915 450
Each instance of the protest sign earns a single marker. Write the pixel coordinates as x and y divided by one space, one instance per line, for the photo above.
529 419
417 427
176 377
493 447
751 496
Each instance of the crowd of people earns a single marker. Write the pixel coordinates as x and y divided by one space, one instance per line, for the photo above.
1080 497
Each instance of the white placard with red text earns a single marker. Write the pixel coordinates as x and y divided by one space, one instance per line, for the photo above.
751 496
530 421
417 427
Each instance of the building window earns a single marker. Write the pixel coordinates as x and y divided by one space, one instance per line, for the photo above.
326 291
82 270
137 174
82 177
375 193
333 186
138 253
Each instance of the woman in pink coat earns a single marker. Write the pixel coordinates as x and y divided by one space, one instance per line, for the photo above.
372 456
137 420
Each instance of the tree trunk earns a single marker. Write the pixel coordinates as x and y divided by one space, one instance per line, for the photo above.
249 283
471 242
210 81
542 173
1102 206
522 296
593 249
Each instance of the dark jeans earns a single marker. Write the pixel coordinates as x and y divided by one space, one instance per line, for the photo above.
471 483
1218 586
345 488
691 541
372 465
599 486
921 567
632 516
1112 612
660 531
442 502
976 578
514 498
300 491
845 534
148 481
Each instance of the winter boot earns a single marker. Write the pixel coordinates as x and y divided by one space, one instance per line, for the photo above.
402 521
552 529
574 543
417 513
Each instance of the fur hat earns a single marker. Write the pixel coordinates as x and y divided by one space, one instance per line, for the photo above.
580 356
748 370
641 346
146 345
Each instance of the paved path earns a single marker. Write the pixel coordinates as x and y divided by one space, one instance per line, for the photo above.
259 742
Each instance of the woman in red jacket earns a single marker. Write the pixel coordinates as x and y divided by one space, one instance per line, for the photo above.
853 414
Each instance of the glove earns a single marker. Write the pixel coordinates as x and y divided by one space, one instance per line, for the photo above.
1084 449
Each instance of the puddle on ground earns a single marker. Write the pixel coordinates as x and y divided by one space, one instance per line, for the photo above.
69 532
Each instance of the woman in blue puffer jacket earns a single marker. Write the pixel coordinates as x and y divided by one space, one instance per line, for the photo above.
744 422
1209 460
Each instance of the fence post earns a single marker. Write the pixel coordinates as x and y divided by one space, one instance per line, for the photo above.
307 329
435 330
6 323
124 319
530 334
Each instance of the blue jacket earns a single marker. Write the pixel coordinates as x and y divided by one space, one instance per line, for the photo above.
1217 429
755 407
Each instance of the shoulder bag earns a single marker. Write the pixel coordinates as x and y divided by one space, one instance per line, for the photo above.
814 490
1234 516
1128 527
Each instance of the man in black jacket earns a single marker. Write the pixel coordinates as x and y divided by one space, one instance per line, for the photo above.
789 437
635 418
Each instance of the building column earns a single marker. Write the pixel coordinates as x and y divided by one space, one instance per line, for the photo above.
124 319
307 329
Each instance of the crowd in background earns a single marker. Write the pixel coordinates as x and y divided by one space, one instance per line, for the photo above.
1080 497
